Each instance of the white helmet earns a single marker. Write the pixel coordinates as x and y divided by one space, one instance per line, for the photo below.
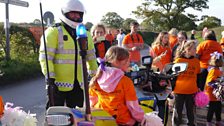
69 6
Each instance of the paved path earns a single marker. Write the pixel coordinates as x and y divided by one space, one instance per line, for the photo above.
201 114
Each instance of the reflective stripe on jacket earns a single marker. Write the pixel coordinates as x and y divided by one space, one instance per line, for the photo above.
61 57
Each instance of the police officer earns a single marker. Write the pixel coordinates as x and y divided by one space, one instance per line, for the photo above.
65 65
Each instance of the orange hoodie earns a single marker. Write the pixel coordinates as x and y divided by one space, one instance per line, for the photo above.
115 93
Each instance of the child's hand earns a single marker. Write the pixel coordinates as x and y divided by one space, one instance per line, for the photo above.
163 54
134 48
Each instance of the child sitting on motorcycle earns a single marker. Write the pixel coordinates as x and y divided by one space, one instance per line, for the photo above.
186 83
114 92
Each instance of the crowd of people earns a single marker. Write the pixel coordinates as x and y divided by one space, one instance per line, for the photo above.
109 88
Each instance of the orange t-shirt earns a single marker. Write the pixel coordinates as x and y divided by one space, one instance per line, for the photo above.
186 82
115 102
101 50
204 50
110 38
213 74
158 50
173 41
1 106
132 40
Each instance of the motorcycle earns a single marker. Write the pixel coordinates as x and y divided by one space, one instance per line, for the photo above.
154 88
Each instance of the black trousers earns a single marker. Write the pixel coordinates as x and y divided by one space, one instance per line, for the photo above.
214 107
202 79
72 98
180 101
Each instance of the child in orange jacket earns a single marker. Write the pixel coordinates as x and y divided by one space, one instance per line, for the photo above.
186 83
215 105
114 92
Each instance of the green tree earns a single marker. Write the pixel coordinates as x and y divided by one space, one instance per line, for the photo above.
20 45
167 14
209 22
112 20
2 42
126 24
20 40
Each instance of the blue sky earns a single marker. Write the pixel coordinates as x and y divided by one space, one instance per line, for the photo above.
95 9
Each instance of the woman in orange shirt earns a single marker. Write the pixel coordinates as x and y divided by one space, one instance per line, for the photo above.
161 51
215 105
101 44
204 49
114 92
186 83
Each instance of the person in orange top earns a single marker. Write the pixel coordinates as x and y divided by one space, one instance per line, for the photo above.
173 37
181 38
161 51
114 92
109 37
186 83
101 44
134 43
204 49
215 105
1 108
222 40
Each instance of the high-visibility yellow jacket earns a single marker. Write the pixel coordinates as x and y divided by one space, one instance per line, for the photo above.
61 57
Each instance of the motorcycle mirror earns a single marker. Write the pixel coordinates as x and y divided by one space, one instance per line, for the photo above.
147 61
179 67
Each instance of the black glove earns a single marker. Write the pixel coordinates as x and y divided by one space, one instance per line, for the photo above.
52 91
50 81
52 85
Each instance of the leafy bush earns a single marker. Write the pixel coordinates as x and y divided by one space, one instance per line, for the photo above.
20 46
22 41
17 69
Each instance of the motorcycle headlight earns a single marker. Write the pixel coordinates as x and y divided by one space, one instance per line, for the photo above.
59 119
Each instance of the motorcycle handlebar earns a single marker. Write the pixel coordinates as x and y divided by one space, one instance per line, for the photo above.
162 76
